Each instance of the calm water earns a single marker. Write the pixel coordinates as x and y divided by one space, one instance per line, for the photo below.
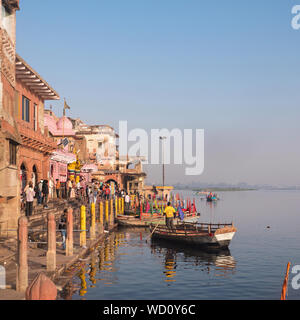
127 267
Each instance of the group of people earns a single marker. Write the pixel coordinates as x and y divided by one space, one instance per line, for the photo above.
39 191
102 191
86 192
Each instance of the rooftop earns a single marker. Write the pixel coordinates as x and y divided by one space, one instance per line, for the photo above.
31 79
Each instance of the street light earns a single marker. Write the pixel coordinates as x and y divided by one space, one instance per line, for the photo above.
163 165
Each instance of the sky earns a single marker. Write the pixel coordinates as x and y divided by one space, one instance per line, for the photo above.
228 67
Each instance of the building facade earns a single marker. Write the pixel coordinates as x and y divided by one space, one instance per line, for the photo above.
34 152
9 135
100 144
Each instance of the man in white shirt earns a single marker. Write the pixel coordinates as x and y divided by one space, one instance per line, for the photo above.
51 185
127 202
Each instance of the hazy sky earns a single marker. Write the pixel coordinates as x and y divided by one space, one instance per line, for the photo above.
228 67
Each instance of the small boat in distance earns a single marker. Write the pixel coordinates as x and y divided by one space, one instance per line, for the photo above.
213 236
212 197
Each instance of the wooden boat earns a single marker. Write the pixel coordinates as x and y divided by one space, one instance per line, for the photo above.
216 236
148 219
135 221
211 199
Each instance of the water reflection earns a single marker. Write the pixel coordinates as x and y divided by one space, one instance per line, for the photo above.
170 266
104 265
107 254
140 270
220 263
93 270
83 285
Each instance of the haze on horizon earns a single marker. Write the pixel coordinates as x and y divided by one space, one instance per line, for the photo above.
230 68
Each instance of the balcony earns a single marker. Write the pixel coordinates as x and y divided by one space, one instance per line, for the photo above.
35 139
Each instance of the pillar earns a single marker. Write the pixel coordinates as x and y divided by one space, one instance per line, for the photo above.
93 222
122 205
51 253
82 226
116 206
22 262
101 224
106 211
111 217
69 240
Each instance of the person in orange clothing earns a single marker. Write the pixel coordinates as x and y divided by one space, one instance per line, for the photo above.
57 188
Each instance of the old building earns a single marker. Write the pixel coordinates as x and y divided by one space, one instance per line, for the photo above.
97 149
34 153
9 136
100 143
61 130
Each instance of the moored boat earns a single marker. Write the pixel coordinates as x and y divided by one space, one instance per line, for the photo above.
148 219
217 236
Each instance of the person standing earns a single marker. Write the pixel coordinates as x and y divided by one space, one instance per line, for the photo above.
51 188
169 212
37 193
78 186
63 228
57 187
69 188
127 202
73 191
91 195
40 197
107 192
87 194
45 192
30 194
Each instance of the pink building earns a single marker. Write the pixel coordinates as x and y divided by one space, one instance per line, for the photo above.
87 170
61 130
59 164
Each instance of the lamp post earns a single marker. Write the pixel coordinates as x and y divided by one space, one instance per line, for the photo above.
163 165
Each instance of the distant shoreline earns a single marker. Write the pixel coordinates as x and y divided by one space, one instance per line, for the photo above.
233 189
223 189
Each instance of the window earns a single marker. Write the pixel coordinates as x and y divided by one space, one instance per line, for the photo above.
25 109
35 117
12 153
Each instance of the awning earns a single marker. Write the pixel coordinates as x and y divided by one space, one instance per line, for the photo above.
89 167
64 157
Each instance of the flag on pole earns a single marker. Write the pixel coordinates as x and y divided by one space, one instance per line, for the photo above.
66 106
147 207
64 142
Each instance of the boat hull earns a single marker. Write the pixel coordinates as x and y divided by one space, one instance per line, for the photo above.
200 241
219 239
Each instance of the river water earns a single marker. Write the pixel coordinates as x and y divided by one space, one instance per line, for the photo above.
127 267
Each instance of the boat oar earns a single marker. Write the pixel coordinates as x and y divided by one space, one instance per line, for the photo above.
154 229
